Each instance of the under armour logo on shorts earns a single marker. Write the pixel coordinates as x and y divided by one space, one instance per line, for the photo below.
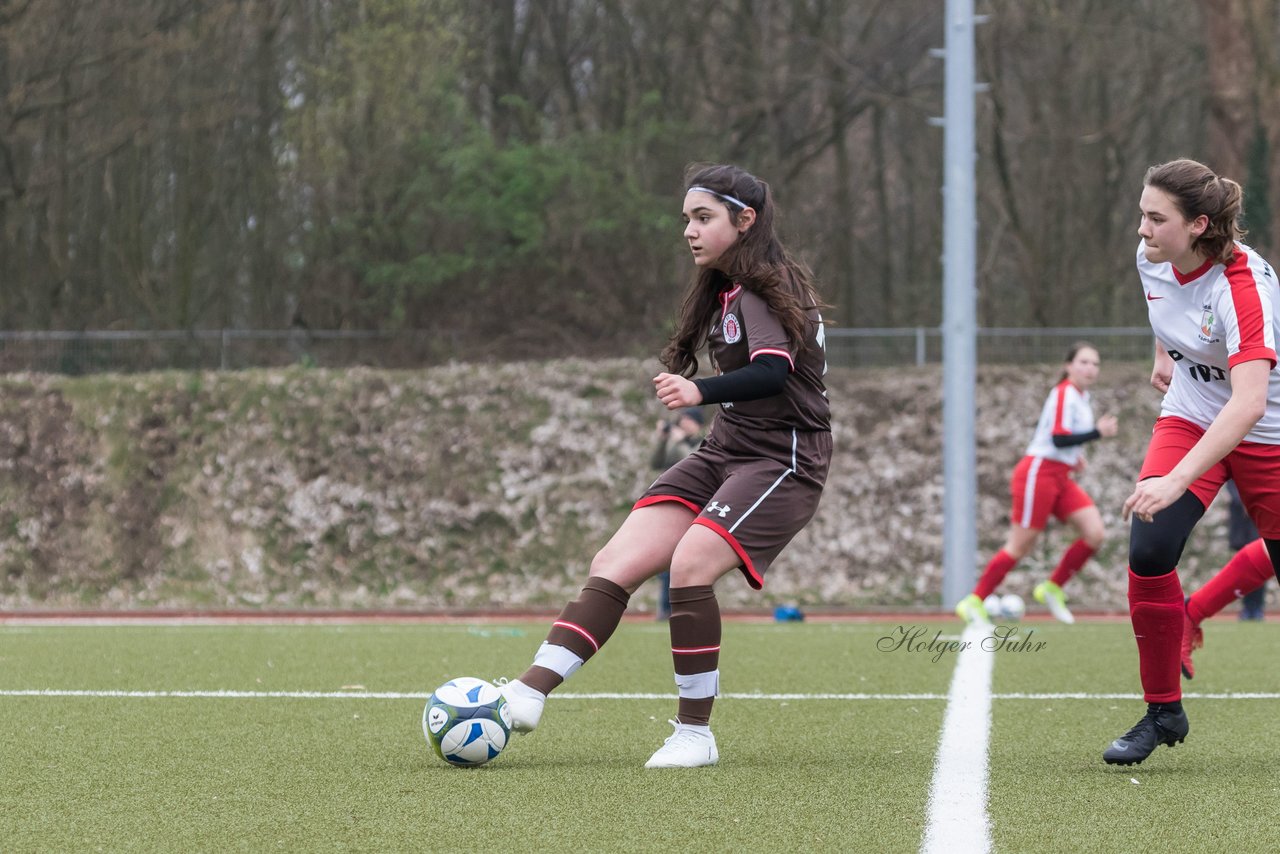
717 507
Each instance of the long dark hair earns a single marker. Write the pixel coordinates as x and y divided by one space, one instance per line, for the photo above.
757 260
1196 190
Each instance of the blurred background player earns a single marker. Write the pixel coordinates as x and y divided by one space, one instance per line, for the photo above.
1042 486
677 438
1244 577
1212 302
753 484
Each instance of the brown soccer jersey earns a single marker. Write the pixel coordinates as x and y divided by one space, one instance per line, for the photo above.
745 329
757 478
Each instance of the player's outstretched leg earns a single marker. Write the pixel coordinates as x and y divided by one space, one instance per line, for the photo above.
1192 639
1164 723
1249 569
583 627
524 702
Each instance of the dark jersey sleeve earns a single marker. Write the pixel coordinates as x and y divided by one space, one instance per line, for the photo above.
764 376
1068 440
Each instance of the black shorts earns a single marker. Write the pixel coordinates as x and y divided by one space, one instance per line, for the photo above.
755 488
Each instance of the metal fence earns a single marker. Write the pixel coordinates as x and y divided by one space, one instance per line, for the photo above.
230 349
921 345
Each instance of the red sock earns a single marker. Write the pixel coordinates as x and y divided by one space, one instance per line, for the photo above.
1072 559
1155 607
995 572
1248 569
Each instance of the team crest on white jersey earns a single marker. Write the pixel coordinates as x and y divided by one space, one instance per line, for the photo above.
1206 326
731 328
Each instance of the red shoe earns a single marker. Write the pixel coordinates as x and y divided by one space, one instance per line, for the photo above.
1192 638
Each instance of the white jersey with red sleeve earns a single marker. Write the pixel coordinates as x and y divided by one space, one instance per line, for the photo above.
1066 411
1211 320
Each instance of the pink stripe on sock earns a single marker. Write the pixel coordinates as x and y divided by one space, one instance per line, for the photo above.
693 650
573 627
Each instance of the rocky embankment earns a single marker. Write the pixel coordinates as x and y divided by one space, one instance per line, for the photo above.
477 486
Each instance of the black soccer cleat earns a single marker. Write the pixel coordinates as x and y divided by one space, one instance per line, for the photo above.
1160 725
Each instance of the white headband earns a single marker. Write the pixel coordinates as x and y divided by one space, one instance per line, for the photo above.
730 199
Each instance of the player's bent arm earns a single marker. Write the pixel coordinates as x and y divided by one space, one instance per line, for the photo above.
1247 404
764 376
676 391
1069 440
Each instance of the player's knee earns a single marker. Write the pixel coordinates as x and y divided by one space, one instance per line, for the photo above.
1018 544
1150 556
691 574
618 570
1156 547
1093 537
1016 550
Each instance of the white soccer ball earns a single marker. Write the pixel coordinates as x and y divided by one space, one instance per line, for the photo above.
1012 607
467 721
994 605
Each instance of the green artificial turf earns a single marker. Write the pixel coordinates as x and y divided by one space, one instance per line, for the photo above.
797 772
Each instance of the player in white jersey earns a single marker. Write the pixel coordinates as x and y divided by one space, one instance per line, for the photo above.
1042 486
1213 307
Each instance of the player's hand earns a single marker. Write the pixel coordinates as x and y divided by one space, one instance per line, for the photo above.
1107 426
1080 466
1162 372
675 391
1151 496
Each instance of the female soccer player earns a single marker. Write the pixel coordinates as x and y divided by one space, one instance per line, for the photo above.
746 492
1212 302
1042 486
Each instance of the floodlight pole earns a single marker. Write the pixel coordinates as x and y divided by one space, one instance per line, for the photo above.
959 350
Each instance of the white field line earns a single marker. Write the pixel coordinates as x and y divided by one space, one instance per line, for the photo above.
567 695
957 814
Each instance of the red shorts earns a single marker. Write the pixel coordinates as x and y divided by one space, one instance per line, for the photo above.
1254 466
1042 488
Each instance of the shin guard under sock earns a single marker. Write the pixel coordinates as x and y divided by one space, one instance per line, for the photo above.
1155 607
695 651
995 572
1072 559
1248 569
582 628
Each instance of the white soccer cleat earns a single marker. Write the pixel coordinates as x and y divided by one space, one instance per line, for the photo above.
525 704
973 611
1050 595
687 747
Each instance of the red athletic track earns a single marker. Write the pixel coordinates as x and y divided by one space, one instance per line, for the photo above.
470 616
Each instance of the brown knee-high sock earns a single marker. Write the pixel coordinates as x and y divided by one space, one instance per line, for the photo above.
582 628
695 650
